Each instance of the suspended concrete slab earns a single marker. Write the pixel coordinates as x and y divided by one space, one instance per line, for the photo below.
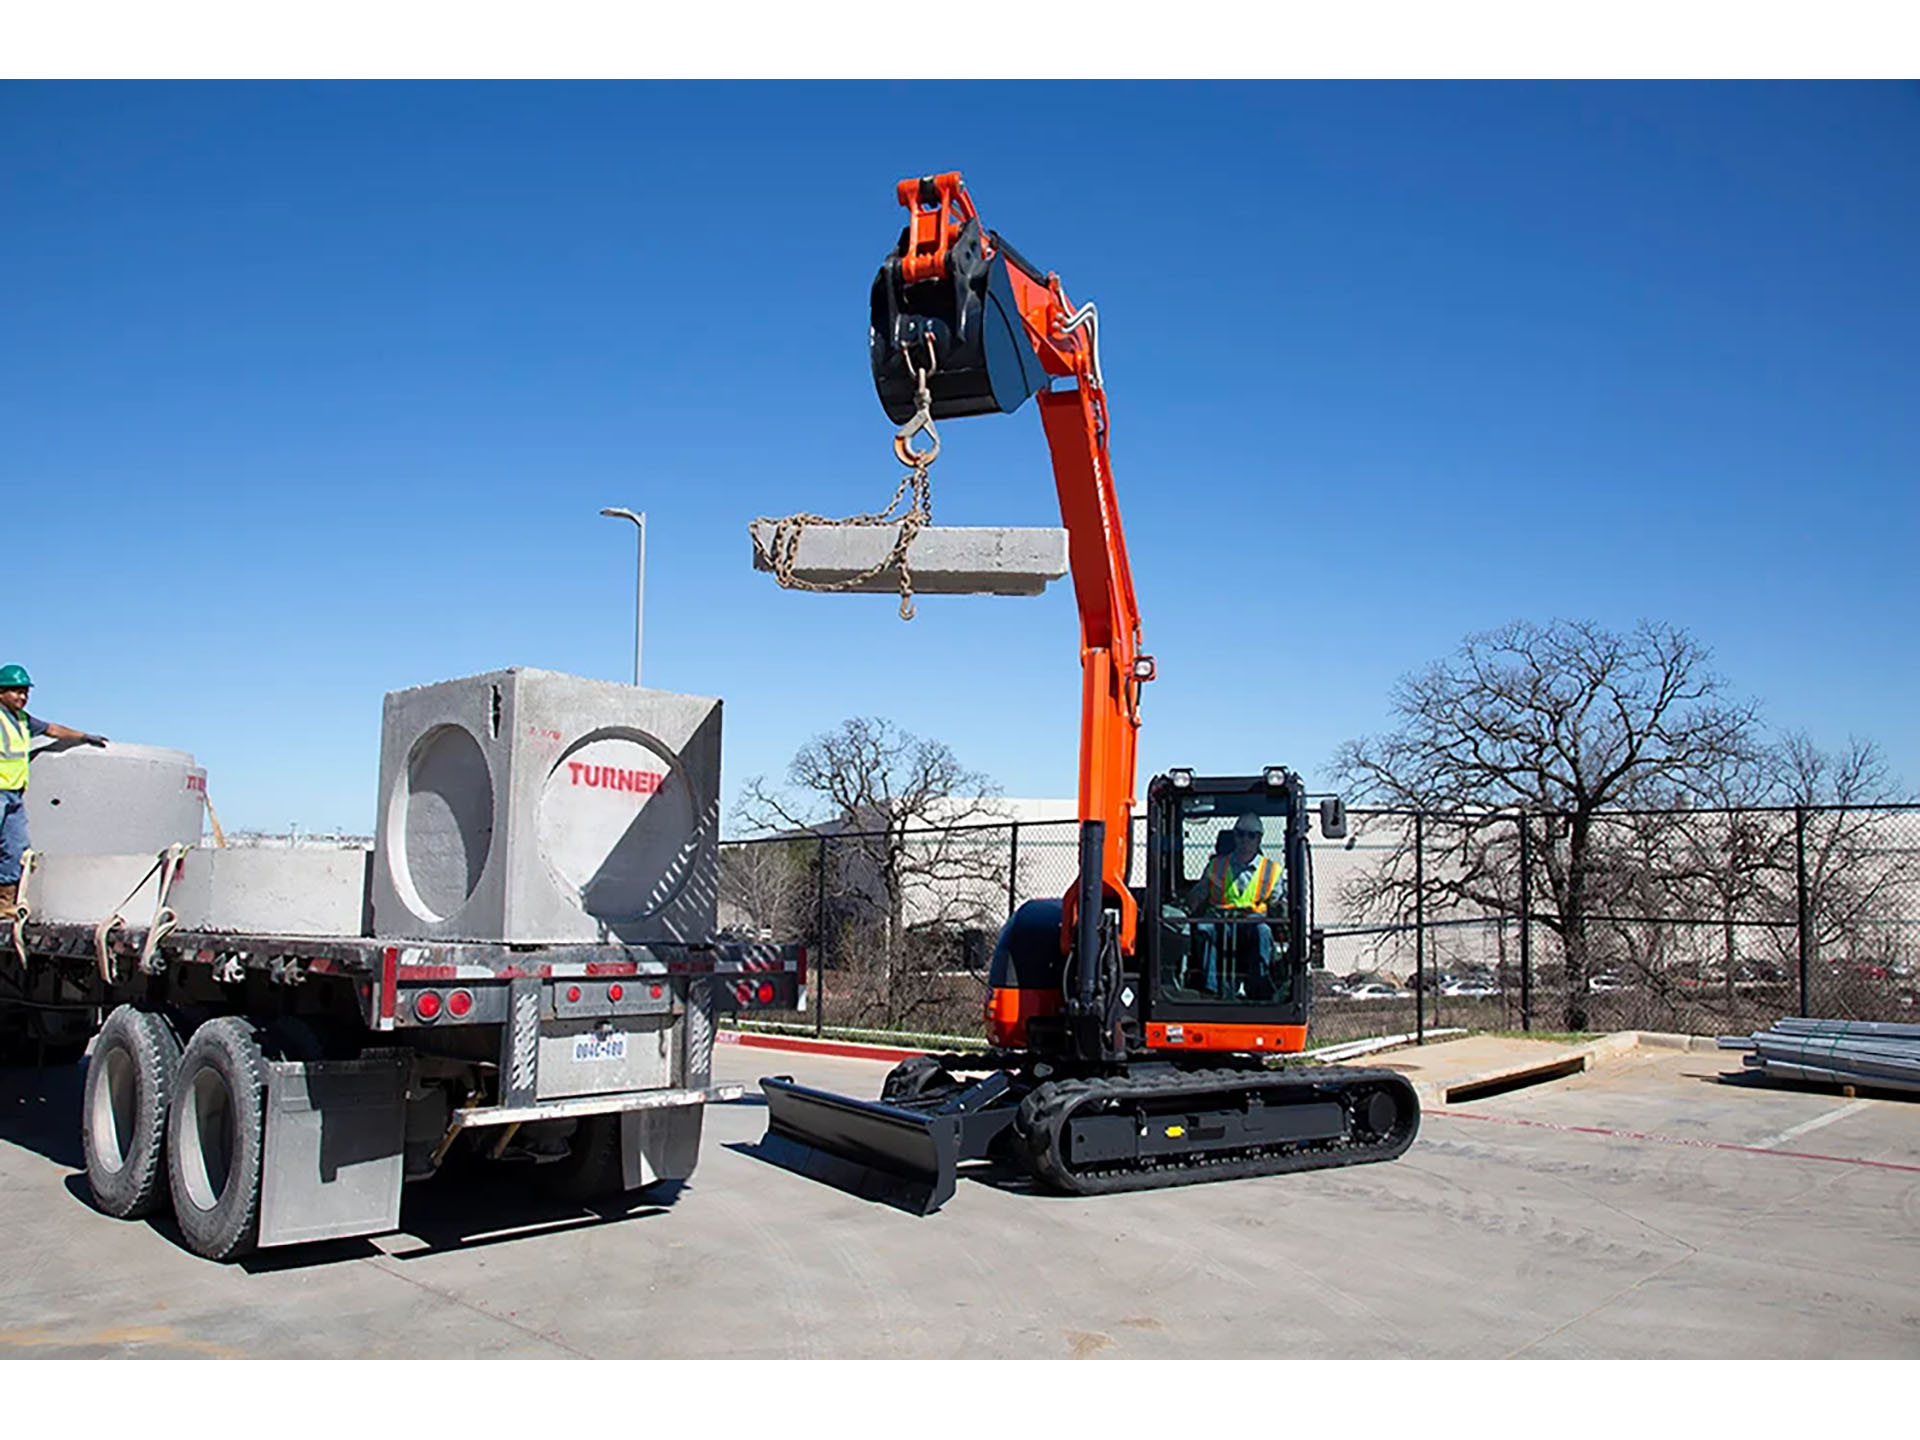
944 559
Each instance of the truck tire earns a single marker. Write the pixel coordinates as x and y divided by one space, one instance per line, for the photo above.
123 1112
215 1138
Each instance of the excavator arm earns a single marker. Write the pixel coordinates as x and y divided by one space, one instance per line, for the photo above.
958 304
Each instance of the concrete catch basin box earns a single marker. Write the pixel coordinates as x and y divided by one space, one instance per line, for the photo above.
273 892
266 892
86 889
944 559
534 807
116 799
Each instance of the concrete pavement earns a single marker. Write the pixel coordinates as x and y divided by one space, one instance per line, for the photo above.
1603 1214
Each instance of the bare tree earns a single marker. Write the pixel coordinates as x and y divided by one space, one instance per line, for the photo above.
904 877
1740 860
1857 876
767 886
1559 721
1710 850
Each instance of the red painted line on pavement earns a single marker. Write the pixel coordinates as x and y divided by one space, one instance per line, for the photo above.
814 1047
1674 1140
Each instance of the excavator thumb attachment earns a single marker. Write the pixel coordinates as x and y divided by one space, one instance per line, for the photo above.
983 361
877 1151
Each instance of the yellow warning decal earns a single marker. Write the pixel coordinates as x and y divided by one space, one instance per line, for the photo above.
1174 1132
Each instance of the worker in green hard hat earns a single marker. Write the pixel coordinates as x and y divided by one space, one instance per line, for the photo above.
17 729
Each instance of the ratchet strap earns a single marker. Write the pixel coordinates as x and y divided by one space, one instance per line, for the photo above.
168 863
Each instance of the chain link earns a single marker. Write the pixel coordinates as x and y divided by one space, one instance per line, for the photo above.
779 554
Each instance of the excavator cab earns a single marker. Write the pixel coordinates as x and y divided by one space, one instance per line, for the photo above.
1223 940
1226 900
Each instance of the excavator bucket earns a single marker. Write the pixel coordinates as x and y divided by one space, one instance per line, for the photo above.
983 362
905 1158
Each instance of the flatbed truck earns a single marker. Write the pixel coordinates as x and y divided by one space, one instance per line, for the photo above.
278 1089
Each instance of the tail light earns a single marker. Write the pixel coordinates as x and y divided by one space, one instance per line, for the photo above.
750 992
460 1004
614 992
426 1005
573 993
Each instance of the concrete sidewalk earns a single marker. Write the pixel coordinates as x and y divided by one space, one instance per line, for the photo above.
1481 1065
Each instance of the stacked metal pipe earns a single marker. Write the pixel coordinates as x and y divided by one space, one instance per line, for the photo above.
1871 1053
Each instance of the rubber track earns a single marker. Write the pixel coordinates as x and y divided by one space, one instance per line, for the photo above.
1045 1112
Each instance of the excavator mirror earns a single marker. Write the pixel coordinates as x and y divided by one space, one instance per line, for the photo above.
1317 949
1333 818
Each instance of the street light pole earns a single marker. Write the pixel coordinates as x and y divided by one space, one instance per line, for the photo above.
639 581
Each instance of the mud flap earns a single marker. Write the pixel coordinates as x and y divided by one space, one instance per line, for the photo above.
904 1158
659 1144
334 1147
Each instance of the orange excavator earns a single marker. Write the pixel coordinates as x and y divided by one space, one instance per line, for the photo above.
1129 1030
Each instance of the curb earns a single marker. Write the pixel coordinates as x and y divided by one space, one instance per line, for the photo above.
1667 1040
797 1045
1574 1061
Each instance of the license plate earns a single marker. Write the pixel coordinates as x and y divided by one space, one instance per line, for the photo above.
590 1048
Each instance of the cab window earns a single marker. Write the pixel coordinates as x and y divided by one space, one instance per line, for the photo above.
1224 937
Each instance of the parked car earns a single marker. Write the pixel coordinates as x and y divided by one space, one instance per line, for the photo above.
1471 990
1375 990
1758 972
1605 984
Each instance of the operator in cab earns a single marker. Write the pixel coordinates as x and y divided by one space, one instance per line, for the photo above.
1243 885
17 729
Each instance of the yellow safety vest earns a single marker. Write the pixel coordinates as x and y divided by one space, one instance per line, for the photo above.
14 740
1227 892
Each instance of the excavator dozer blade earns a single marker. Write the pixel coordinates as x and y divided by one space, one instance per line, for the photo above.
874 1150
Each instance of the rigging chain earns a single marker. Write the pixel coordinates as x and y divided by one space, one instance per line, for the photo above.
916 484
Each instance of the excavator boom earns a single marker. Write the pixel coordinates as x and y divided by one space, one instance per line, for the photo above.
995 331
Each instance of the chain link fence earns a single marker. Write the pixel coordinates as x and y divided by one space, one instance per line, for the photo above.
1697 921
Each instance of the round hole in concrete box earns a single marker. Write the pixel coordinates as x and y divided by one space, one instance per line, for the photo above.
442 819
618 824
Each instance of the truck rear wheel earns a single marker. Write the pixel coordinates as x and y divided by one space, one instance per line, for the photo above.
215 1138
123 1112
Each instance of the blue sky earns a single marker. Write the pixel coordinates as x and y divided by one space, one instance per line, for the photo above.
313 391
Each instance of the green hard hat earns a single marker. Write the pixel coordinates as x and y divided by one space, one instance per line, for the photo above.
15 677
